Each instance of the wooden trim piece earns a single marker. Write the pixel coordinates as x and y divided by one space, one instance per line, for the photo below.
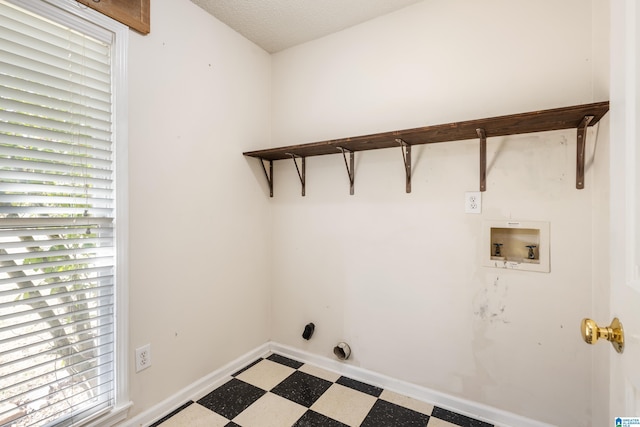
134 13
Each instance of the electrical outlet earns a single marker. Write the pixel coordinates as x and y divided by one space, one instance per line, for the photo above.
473 202
143 357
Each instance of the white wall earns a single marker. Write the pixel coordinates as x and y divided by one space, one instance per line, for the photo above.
199 249
398 275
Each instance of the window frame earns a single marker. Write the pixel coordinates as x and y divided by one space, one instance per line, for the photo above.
83 18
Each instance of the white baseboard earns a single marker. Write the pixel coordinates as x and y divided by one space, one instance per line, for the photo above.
195 390
469 408
203 386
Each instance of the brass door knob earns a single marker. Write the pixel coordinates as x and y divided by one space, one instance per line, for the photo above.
614 333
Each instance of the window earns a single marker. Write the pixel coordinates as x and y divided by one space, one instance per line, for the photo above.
62 214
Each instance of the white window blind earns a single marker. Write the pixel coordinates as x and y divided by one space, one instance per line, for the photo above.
57 217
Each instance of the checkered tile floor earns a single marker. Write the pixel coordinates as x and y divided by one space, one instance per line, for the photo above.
281 392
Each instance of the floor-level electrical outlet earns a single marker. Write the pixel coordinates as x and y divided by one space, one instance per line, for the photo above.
473 202
143 357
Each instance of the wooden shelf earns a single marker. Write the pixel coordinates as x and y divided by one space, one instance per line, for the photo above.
578 117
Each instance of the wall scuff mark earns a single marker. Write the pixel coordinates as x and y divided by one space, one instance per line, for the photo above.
490 303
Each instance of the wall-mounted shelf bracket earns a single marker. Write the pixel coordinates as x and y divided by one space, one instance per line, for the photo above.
581 148
268 175
349 166
483 158
301 175
406 156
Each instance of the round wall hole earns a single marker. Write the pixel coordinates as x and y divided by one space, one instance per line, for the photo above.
342 351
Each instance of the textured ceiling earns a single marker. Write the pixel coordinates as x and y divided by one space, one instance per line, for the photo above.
275 25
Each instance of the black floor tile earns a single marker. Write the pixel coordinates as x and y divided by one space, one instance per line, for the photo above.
457 419
357 385
231 398
387 414
247 367
232 424
314 419
285 361
302 388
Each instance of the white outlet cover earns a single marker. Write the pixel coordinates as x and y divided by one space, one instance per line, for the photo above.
473 202
143 357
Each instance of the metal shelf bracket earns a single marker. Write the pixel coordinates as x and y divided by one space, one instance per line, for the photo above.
301 175
483 158
406 156
268 175
581 147
349 166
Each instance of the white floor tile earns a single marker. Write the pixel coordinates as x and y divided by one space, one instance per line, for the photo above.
436 422
270 411
266 374
195 416
344 404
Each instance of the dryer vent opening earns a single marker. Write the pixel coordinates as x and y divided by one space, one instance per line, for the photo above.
342 351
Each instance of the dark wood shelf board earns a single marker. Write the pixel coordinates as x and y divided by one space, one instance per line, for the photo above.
536 121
